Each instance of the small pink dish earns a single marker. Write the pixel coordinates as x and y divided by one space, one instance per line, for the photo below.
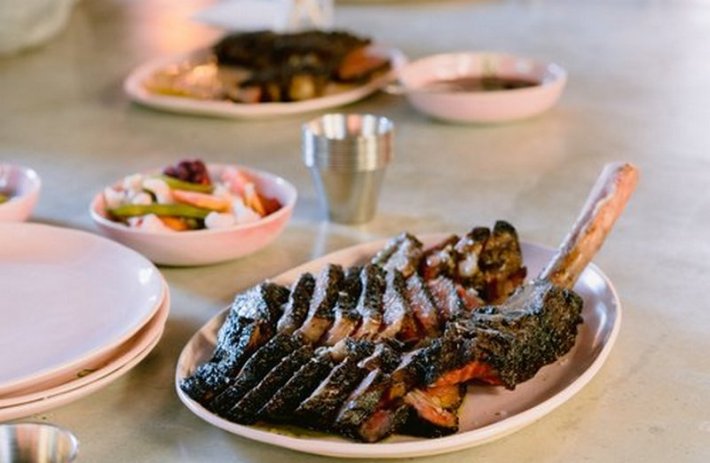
209 246
427 84
21 185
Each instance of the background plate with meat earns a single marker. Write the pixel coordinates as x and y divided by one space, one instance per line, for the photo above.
197 97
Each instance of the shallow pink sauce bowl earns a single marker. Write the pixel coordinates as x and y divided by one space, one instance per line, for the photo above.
481 106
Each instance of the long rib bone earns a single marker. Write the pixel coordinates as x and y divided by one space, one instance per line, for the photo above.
604 205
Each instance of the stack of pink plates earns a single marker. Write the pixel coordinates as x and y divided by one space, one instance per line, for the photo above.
77 310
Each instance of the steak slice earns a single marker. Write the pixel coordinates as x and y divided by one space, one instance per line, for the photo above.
320 409
403 253
320 313
248 409
467 253
446 297
382 423
423 306
347 317
254 370
398 319
282 404
208 377
440 259
250 323
365 398
296 309
432 412
369 306
261 303
500 263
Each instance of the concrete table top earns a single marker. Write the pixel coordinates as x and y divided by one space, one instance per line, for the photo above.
637 91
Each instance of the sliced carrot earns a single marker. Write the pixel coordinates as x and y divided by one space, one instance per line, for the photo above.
271 205
252 200
203 200
175 223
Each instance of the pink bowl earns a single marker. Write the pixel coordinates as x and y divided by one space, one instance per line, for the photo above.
24 185
477 106
202 247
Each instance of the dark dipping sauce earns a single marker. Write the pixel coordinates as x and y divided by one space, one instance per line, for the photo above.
482 84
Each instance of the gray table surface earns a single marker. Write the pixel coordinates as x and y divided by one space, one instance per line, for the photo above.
638 91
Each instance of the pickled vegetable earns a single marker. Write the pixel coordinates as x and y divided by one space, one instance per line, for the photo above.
175 210
177 184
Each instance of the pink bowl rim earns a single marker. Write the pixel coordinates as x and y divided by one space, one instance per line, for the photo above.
557 74
28 173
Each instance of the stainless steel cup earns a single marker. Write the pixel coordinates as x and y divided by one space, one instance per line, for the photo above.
36 442
347 155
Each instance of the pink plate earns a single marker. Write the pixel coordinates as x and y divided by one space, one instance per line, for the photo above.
68 298
125 357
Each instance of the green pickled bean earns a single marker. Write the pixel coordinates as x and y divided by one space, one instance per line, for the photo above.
175 210
177 184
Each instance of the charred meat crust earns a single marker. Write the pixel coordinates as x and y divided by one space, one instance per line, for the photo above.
533 328
206 379
261 304
383 255
350 293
